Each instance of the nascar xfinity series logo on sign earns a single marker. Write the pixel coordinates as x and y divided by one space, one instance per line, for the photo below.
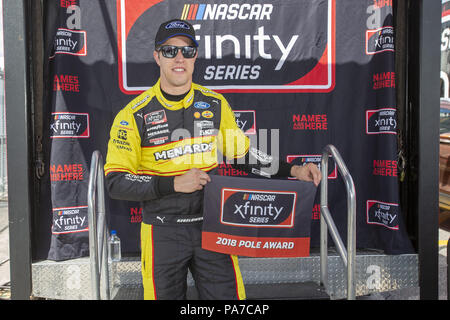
256 220
243 47
69 125
379 40
70 220
381 121
72 42
383 214
249 208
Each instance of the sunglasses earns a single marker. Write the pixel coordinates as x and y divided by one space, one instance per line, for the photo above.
172 51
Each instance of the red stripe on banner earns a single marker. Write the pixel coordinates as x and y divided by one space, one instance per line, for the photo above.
191 10
255 247
134 10
319 74
194 13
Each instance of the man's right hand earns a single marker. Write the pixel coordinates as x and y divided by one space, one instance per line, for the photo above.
191 181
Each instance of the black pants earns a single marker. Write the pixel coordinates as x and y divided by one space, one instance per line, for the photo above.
167 254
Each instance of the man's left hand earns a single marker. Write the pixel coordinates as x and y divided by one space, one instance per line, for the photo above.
308 172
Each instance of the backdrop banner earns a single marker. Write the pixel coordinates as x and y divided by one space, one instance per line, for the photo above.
299 74
249 217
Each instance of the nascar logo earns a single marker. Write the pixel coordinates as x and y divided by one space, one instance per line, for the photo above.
259 197
64 116
223 11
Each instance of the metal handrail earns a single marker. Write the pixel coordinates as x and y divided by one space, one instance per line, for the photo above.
347 254
98 249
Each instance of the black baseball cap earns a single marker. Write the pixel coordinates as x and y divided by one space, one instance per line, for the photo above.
172 28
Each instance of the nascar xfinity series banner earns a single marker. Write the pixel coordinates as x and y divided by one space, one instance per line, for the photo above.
249 217
299 74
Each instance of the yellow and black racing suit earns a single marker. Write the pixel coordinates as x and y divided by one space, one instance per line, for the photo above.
151 141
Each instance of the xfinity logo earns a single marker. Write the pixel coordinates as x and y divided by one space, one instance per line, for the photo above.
243 207
62 221
69 125
257 211
260 40
155 117
68 43
386 123
380 40
383 214
69 220
72 42
381 121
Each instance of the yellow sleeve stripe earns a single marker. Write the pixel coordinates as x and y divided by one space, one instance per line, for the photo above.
109 170
175 173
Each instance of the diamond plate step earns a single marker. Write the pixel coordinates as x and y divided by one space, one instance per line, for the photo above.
374 273
278 291
286 291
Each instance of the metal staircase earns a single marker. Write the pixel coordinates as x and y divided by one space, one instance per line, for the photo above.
335 273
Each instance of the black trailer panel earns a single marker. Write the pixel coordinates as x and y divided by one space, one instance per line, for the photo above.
20 164
423 86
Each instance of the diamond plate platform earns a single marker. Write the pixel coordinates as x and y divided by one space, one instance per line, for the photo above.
374 273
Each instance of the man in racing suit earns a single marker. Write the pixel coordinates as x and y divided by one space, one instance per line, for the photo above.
163 146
